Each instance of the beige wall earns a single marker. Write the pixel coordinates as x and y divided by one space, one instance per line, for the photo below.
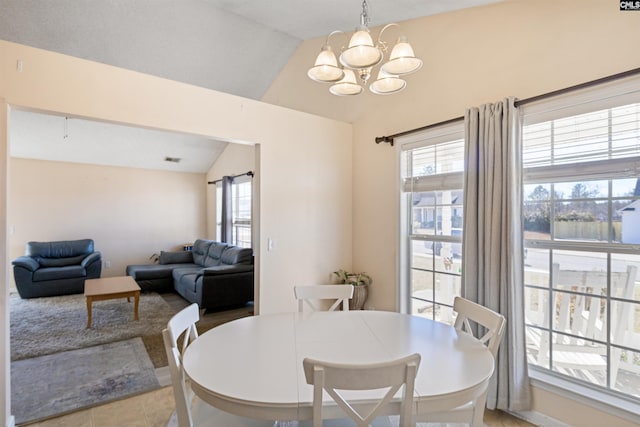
304 161
129 213
516 48
236 159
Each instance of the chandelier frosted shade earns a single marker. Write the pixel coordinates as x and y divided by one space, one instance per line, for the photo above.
347 86
361 52
402 59
351 73
326 67
386 84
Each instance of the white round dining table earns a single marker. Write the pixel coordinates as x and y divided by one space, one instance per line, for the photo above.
253 366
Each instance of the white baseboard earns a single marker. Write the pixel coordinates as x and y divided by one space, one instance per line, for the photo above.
539 419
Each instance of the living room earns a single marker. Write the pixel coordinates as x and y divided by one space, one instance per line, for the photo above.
147 207
322 181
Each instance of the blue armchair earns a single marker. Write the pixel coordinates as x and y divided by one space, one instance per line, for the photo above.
56 268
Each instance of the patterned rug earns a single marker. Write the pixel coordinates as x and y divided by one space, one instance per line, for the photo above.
41 326
41 386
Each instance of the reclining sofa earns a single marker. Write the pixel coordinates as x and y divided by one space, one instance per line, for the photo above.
214 275
56 268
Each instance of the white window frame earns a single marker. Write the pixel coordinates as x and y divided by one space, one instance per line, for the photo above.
607 95
439 134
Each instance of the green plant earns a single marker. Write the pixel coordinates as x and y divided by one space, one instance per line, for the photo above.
356 279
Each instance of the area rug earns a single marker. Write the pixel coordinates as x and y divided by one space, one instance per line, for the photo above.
67 381
41 326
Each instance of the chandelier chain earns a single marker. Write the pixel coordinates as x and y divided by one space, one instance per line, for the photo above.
365 13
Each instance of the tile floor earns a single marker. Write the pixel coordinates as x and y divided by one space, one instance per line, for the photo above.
154 409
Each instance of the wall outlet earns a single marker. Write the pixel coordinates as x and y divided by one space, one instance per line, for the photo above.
107 264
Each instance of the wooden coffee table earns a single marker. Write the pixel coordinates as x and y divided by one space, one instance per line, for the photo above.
111 288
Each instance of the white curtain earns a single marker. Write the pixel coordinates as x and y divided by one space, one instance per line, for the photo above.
492 247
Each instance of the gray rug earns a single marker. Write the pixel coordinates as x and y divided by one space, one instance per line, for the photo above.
41 388
41 326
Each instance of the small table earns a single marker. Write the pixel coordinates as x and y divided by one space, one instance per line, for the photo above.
111 288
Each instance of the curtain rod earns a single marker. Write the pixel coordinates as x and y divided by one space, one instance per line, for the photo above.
389 138
519 102
584 85
250 173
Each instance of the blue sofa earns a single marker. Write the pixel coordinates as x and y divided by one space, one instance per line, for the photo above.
56 268
214 275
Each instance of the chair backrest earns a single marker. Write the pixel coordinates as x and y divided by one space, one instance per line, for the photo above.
181 324
334 377
493 323
308 294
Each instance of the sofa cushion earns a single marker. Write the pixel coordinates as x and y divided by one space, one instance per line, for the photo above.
60 262
186 276
54 273
177 257
59 249
236 255
200 249
215 254
178 272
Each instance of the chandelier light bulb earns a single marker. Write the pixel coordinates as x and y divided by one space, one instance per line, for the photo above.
402 59
386 84
326 67
361 52
347 86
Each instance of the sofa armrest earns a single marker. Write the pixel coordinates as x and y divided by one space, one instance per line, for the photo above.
225 269
26 262
91 258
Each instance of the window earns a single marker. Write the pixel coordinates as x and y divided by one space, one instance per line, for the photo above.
241 211
581 195
431 204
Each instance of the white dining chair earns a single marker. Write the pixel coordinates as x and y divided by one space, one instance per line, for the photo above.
469 314
335 378
190 410
313 294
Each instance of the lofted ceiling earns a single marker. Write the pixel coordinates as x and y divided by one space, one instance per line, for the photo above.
233 46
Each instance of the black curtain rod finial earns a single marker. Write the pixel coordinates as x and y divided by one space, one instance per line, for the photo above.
384 139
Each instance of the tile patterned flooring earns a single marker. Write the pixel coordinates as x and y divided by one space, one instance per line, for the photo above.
154 409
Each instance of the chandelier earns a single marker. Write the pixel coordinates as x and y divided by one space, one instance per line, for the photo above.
360 58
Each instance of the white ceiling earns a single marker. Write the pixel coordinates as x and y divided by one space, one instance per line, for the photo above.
56 138
306 19
233 46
